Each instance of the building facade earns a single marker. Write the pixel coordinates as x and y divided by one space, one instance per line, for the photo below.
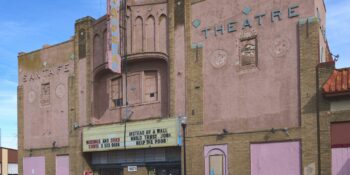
256 81
8 162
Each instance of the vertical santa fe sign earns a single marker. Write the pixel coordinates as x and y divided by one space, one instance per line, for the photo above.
113 36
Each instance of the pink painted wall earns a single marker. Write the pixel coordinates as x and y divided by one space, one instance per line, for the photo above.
46 123
262 97
341 161
275 158
34 166
62 165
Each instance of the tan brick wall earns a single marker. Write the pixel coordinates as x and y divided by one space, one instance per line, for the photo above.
20 129
171 51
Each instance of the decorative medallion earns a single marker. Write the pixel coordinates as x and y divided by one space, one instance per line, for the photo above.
279 47
218 59
59 90
31 96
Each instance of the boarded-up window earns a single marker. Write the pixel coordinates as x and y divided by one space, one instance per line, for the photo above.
134 88
340 140
216 164
34 165
275 158
45 94
116 91
215 160
341 161
62 165
340 134
150 86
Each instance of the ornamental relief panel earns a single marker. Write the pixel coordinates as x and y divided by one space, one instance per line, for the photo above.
147 28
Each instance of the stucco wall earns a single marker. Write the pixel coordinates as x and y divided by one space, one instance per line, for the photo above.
258 97
44 77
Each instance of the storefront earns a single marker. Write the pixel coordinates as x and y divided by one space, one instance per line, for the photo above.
149 147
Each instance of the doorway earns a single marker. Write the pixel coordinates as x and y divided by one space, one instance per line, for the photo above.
110 171
168 171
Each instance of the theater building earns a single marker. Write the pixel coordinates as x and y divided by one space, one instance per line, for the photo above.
256 81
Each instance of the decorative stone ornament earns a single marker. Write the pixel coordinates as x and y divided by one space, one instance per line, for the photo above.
279 46
218 59
59 90
31 96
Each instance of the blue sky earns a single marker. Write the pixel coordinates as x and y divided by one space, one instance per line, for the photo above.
28 25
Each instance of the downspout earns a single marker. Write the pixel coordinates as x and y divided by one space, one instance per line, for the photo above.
124 7
318 120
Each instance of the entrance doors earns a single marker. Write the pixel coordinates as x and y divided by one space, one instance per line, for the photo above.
168 171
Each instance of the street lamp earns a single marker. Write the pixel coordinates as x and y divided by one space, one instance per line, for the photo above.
183 120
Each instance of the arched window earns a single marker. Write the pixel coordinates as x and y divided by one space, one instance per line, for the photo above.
138 35
82 43
162 34
150 34
105 43
97 51
215 160
129 29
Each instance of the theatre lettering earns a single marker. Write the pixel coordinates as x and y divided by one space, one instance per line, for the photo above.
248 22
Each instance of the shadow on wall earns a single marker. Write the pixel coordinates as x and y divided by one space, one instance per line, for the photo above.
101 93
345 170
310 106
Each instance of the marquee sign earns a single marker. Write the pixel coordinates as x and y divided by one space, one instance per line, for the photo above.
144 134
113 36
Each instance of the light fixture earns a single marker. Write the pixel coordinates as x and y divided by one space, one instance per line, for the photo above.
183 120
127 114
286 131
76 126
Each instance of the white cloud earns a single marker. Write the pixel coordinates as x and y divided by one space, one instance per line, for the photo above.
9 141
